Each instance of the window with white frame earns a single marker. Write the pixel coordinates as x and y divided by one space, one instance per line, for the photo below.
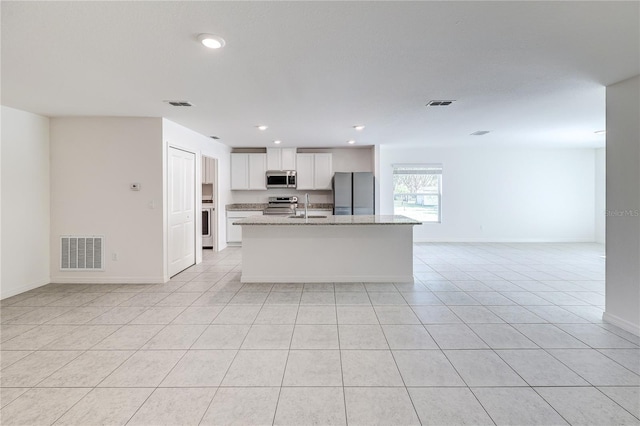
417 191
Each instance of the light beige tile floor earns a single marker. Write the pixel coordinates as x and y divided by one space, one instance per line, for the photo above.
486 334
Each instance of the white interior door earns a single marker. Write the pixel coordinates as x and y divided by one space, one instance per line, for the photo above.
182 224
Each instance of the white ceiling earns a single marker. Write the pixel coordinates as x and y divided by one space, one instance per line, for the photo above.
533 73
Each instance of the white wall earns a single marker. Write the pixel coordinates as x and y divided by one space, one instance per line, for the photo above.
179 136
503 195
623 205
25 202
600 193
93 161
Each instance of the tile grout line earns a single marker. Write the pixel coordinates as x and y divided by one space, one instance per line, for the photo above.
133 354
395 362
460 375
344 392
232 360
284 371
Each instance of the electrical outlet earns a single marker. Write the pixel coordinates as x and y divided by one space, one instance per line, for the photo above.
114 256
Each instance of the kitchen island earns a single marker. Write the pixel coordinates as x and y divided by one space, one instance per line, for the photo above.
362 248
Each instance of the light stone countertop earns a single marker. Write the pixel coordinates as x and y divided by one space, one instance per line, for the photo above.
329 220
246 206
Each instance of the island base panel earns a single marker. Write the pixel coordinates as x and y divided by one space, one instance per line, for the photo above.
359 253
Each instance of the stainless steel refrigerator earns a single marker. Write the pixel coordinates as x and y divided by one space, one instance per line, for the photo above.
353 193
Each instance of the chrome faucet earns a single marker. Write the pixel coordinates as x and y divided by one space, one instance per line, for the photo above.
306 205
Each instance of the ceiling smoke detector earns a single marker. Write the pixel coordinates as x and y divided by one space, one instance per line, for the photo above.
179 103
439 103
480 133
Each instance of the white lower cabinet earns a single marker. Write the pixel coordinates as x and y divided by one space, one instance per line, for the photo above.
234 232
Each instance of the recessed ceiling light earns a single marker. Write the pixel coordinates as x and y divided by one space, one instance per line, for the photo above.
211 41
262 127
351 142
359 127
600 132
277 142
480 132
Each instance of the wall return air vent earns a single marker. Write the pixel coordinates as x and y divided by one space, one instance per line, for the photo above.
81 253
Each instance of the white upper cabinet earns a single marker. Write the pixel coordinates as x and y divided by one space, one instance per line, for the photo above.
305 171
314 171
281 159
323 171
288 158
258 171
248 171
239 171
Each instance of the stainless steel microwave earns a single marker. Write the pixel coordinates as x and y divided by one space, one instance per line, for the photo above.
281 179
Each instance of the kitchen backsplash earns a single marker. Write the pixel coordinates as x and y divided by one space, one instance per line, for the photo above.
263 196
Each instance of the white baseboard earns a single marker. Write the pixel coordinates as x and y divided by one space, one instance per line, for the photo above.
622 323
325 279
4 292
501 240
108 280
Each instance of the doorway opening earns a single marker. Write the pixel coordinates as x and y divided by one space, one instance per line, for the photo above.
210 203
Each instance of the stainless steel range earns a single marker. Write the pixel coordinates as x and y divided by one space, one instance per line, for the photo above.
281 206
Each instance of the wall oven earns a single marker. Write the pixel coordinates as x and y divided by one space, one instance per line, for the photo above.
207 226
281 179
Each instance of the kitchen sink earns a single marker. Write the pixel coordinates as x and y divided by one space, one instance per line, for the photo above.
305 217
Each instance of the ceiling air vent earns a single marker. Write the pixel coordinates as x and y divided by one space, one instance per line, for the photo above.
439 103
179 103
480 133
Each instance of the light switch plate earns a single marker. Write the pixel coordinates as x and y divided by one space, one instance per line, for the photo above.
134 187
